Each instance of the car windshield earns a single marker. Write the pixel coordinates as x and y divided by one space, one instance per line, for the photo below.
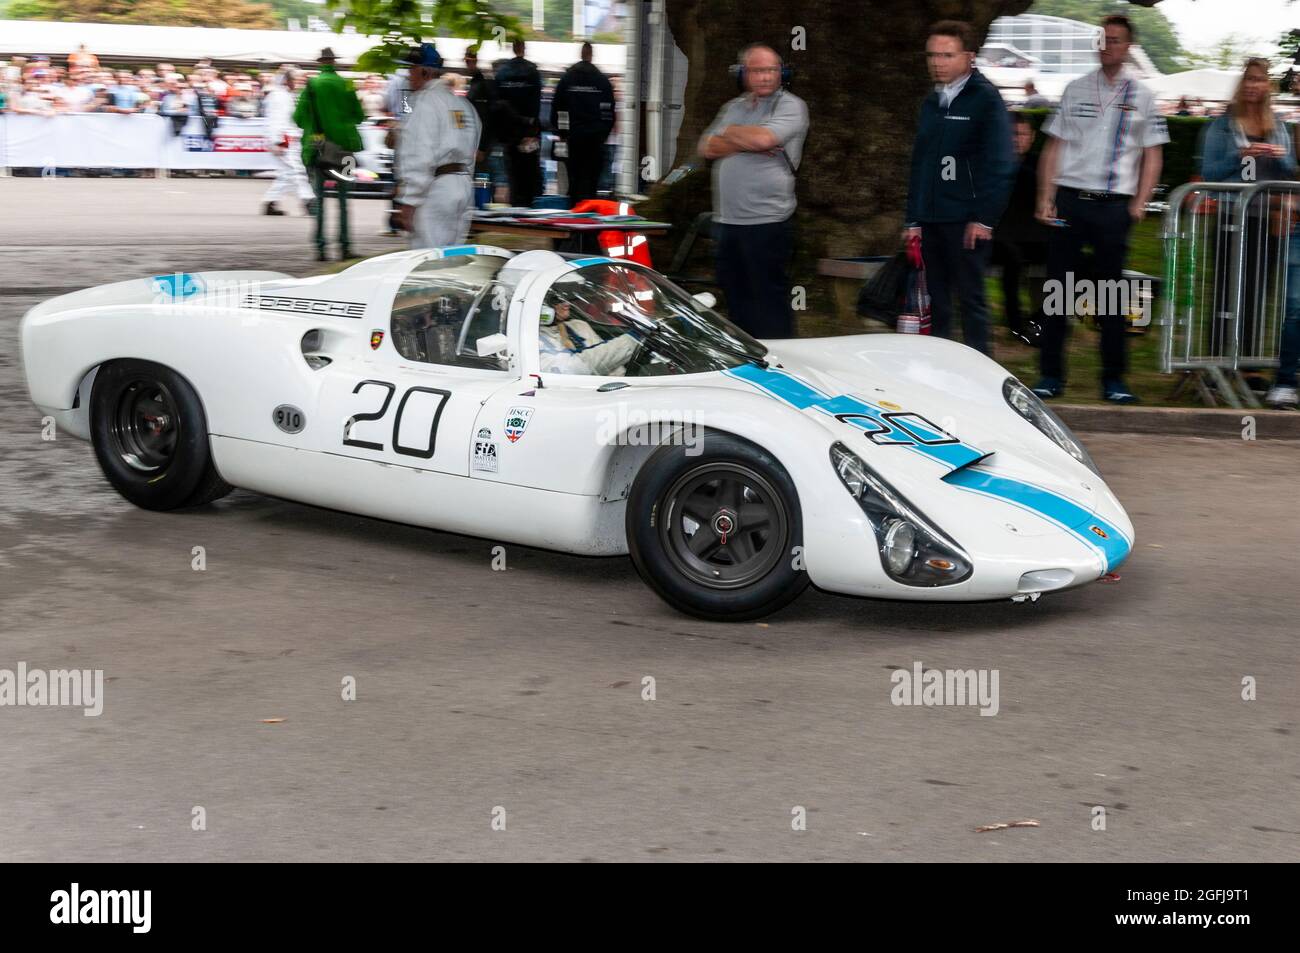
617 319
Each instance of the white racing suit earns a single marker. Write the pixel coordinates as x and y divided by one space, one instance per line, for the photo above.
574 347
441 130
290 175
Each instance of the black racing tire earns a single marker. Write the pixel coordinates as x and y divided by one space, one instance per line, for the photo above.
151 437
680 512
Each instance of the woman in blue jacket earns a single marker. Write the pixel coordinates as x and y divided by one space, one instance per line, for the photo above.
1248 143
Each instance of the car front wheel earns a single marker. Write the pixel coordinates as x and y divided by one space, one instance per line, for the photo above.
716 534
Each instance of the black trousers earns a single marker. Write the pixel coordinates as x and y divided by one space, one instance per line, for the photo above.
1104 225
1013 257
583 166
953 271
318 174
525 172
1255 275
751 267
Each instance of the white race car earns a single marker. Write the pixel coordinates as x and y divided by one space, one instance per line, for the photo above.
585 405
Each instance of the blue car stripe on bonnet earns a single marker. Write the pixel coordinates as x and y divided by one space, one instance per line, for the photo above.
459 250
952 453
584 262
1091 529
1110 542
785 386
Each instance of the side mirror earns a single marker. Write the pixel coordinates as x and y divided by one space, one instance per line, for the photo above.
705 298
492 345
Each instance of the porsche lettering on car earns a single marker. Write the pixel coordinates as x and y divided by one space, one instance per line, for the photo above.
585 405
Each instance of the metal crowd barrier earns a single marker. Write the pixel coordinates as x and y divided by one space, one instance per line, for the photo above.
1226 258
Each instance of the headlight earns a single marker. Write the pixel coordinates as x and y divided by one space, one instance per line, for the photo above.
1026 403
912 550
899 548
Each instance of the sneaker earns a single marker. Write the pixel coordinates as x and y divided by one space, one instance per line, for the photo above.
1114 392
1049 387
270 208
1282 398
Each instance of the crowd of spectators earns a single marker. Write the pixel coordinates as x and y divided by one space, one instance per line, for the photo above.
36 86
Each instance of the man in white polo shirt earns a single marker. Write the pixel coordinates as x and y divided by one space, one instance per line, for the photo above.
1102 159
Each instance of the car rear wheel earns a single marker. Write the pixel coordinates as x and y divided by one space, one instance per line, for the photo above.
715 534
151 436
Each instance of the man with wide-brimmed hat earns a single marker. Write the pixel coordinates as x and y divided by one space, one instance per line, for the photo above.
436 155
328 112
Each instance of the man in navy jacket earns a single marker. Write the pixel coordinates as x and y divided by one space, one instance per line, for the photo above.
962 173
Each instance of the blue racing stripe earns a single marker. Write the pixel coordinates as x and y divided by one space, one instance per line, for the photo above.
459 250
584 262
1070 516
790 389
1080 522
861 414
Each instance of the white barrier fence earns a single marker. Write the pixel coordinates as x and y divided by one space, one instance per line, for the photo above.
108 141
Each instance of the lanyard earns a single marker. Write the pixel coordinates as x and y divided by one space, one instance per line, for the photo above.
1123 91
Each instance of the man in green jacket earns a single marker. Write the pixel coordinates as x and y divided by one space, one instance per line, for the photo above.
329 110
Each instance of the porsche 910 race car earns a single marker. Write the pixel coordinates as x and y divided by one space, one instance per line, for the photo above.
584 405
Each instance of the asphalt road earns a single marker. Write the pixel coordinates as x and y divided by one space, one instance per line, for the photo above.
522 690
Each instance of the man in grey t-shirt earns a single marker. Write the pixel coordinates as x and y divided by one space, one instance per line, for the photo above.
756 142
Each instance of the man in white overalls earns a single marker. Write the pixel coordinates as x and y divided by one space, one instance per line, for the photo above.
283 142
435 153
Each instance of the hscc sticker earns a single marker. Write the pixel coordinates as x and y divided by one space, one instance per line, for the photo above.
517 422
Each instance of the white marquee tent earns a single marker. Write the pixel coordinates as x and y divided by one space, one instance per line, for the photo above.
1214 85
183 45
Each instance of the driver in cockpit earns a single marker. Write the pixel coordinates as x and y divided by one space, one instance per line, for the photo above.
570 345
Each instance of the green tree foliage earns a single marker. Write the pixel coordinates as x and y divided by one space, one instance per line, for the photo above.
228 13
557 16
404 22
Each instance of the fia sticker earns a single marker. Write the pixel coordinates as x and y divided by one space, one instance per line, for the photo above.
458 117
485 452
376 339
517 422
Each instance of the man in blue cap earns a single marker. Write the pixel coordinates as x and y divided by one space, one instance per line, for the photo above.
436 155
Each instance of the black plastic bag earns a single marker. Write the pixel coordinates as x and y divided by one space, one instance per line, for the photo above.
884 296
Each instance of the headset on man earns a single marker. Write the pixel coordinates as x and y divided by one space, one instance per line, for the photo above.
737 69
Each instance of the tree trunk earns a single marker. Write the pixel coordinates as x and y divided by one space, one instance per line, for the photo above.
860 66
